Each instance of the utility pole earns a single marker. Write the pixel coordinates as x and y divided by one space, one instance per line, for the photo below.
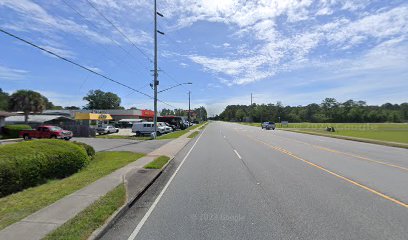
156 74
189 93
251 99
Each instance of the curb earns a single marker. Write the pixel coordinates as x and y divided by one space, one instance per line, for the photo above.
99 232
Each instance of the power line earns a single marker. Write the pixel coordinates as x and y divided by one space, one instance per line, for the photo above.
124 35
79 65
112 40
117 29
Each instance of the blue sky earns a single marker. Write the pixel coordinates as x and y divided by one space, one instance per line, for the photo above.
293 51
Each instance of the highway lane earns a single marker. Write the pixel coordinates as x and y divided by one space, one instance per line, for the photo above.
239 182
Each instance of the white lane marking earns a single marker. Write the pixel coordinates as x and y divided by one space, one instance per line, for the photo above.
239 156
153 206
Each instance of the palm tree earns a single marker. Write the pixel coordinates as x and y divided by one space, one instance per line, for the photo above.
27 101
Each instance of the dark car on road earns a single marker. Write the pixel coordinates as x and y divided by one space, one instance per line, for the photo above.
268 125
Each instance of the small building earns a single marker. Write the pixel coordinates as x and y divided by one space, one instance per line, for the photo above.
37 120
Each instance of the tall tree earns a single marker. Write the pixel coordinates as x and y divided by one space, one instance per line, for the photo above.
27 101
166 112
98 99
4 99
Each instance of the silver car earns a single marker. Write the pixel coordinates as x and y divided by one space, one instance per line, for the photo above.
106 129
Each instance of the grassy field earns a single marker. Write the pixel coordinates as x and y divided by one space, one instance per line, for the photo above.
157 163
19 205
389 132
94 216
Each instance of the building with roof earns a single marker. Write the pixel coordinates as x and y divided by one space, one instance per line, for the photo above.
116 114
38 119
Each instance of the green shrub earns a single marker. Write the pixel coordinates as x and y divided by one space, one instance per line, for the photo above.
27 164
12 131
88 148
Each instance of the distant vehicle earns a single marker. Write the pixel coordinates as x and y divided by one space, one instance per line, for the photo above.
106 129
268 125
46 131
144 128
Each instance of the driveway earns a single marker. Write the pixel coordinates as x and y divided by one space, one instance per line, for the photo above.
100 144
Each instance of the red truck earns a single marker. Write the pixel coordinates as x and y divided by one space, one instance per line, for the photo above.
46 131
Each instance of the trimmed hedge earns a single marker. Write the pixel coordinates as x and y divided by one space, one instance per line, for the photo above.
30 163
12 131
88 148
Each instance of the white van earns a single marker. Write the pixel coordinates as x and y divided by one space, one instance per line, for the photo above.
144 128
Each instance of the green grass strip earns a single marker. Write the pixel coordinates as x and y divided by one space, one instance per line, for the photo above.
385 143
179 133
94 216
19 205
193 134
157 163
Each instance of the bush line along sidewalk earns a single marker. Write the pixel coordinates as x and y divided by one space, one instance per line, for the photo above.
27 164
20 205
90 219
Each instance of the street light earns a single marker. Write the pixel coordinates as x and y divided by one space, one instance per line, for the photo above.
174 86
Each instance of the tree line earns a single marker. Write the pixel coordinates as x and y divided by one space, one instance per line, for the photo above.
200 112
29 101
328 111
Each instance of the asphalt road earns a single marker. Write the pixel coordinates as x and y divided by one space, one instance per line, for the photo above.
241 182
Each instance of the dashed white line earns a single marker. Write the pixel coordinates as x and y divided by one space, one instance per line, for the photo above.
239 156
152 207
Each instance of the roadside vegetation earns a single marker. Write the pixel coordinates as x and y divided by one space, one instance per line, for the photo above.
193 134
30 163
12 131
157 163
179 133
328 111
203 126
94 216
379 132
16 206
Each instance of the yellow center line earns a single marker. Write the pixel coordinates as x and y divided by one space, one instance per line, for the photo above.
282 150
348 154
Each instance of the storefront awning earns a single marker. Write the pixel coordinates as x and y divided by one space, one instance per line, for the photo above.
92 116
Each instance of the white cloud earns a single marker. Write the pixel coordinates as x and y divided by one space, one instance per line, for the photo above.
7 73
282 48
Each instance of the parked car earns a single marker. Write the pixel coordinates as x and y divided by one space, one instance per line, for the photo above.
106 129
144 128
167 128
268 125
46 131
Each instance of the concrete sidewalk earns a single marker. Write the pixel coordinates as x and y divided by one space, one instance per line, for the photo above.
44 221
